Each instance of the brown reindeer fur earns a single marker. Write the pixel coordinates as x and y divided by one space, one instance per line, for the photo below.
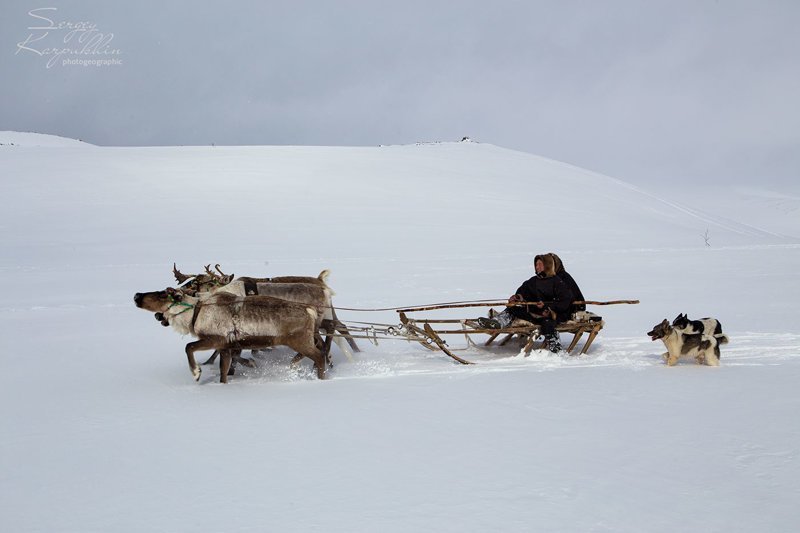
319 297
297 289
320 281
226 322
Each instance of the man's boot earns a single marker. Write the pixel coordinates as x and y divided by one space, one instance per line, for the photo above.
552 343
499 321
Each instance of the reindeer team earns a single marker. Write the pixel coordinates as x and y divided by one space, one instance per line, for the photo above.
229 315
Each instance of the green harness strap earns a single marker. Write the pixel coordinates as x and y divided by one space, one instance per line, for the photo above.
176 302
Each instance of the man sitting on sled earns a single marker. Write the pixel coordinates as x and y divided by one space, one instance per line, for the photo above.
553 299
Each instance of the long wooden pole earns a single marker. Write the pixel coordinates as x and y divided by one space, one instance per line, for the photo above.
508 304
612 302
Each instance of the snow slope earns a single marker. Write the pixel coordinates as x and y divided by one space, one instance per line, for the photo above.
103 429
771 210
29 139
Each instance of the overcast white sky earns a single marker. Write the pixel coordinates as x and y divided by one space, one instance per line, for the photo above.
693 91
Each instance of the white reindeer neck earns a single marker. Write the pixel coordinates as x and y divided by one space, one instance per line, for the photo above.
180 314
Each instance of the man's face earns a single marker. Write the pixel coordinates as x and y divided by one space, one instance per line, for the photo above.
539 266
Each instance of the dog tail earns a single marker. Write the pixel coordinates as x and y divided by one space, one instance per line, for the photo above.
721 339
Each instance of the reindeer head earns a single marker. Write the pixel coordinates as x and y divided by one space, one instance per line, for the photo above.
158 301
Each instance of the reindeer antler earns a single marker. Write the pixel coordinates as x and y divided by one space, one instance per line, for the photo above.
223 279
221 273
179 277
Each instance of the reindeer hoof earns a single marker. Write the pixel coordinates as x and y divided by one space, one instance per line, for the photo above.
196 373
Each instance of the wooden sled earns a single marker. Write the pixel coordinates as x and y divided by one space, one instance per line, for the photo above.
591 324
432 330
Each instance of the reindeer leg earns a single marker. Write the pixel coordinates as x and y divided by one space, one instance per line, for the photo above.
320 361
331 327
306 347
299 355
249 363
341 328
202 344
326 347
210 360
225 365
236 357
319 344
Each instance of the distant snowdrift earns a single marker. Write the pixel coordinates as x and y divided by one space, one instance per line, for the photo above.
27 139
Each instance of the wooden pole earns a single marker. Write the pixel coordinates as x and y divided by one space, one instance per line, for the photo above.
508 304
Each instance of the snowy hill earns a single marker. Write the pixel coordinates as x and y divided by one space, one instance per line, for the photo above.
28 139
103 428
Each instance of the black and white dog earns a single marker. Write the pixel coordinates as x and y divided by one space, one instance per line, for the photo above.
704 326
700 346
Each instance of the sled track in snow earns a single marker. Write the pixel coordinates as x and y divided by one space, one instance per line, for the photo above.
397 359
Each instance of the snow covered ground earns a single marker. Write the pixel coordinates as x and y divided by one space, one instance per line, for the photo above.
103 429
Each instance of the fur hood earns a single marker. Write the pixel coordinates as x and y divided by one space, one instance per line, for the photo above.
559 265
550 261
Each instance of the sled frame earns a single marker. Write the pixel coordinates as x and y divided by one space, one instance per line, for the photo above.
436 328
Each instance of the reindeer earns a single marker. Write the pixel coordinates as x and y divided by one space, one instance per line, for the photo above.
277 287
226 322
201 283
317 296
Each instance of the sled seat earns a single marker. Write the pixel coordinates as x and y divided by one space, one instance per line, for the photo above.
580 323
